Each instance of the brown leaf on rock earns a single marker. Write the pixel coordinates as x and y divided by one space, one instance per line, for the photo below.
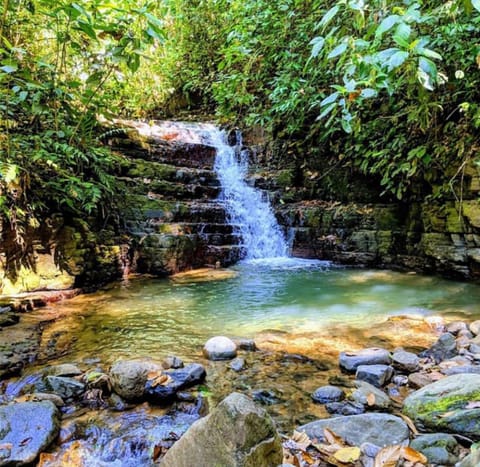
371 399
332 438
409 423
302 439
289 458
348 455
412 455
161 380
388 456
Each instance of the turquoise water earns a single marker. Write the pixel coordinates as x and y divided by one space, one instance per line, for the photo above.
153 317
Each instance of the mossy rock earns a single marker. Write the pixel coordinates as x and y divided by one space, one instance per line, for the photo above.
449 404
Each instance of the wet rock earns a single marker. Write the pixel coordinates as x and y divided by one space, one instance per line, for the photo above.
369 395
455 327
236 433
376 428
26 429
472 460
350 361
456 370
182 378
475 327
42 396
465 333
326 394
248 345
443 349
129 377
378 375
8 318
418 380
265 397
474 348
405 361
237 364
66 388
172 362
220 348
65 369
400 380
448 405
439 448
345 408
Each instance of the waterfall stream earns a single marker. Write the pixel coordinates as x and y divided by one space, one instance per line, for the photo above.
248 209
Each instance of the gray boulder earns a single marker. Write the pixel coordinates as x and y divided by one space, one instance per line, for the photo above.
66 388
443 349
220 348
26 429
366 392
475 327
439 448
378 375
448 405
350 361
129 377
376 428
237 433
405 361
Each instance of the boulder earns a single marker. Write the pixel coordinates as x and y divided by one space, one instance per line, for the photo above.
220 348
419 380
439 448
367 394
378 375
129 377
26 429
475 327
350 361
237 433
443 349
181 378
66 388
326 394
405 361
449 404
455 327
376 428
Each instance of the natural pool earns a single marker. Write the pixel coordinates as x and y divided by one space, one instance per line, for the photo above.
153 317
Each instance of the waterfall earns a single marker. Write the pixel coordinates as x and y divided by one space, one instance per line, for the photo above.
248 209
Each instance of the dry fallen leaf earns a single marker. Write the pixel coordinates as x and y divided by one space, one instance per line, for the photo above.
289 458
412 455
302 439
348 455
333 439
409 423
371 399
161 380
388 456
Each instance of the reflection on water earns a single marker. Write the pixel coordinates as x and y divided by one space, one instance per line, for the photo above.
150 317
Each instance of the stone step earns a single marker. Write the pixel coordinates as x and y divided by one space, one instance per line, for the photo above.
194 228
201 212
177 191
226 255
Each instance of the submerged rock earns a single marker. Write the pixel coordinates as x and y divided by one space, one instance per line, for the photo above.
220 348
237 433
376 428
326 394
182 378
452 404
26 429
350 361
129 377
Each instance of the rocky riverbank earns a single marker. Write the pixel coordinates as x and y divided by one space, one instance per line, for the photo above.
386 405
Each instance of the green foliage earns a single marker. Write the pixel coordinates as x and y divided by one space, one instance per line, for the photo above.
58 61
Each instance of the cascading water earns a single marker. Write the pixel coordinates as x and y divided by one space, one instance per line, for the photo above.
248 209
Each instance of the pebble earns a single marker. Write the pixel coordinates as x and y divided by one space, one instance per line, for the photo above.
326 394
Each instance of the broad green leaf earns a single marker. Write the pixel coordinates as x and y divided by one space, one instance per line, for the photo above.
396 60
338 50
8 68
318 43
429 53
327 110
368 92
329 99
386 25
428 67
476 4
87 29
346 125
328 16
402 33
